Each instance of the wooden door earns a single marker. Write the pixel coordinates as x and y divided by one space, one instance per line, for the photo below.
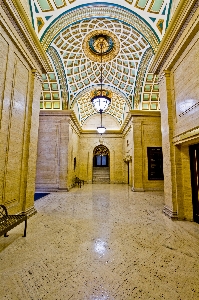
194 164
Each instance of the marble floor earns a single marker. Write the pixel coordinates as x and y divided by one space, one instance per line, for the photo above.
101 242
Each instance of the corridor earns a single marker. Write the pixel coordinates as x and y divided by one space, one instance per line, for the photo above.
101 242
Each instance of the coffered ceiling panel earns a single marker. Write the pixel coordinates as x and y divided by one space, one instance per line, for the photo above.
69 31
82 71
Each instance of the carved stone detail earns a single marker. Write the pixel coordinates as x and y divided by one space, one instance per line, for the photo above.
140 77
95 55
61 74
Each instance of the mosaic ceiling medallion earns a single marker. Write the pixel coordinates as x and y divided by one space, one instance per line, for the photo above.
92 45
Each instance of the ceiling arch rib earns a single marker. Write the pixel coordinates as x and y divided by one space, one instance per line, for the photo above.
155 12
68 38
83 72
86 109
101 11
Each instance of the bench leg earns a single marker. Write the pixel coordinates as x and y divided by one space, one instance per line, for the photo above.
6 235
25 228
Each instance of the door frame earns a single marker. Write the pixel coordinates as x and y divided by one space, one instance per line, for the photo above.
194 167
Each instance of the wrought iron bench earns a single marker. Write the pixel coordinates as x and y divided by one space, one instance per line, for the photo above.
79 181
8 222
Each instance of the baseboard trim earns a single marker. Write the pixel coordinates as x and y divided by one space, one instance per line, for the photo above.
170 213
30 212
51 190
137 189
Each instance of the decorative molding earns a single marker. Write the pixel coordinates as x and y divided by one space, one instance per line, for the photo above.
75 124
62 77
126 130
140 77
101 11
14 11
180 20
107 56
127 158
186 136
37 75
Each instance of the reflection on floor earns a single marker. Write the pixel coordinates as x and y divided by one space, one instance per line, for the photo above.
101 242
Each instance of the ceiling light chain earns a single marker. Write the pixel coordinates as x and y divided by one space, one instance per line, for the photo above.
101 102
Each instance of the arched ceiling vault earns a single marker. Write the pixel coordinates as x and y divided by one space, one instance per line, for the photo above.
65 29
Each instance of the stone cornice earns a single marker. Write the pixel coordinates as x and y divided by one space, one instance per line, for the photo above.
144 113
17 24
75 122
185 16
63 113
109 133
137 113
186 137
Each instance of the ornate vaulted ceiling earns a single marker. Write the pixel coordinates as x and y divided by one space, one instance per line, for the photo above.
66 28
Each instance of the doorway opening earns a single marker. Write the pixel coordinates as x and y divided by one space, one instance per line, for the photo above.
101 169
194 165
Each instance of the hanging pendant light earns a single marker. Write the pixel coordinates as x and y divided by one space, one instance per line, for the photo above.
101 102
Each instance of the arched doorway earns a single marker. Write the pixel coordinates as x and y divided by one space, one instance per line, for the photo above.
101 165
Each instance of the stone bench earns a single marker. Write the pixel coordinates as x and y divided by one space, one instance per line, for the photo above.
8 222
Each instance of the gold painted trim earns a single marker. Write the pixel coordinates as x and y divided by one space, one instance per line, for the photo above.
42 57
136 5
106 57
160 21
97 92
42 23
46 10
104 12
155 12
58 7
179 18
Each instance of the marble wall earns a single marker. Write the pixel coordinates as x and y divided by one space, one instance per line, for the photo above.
57 147
20 87
113 141
142 131
179 93
61 140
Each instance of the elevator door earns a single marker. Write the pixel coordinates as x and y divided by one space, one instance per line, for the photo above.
194 163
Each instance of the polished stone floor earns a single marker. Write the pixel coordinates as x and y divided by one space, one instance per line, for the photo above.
101 242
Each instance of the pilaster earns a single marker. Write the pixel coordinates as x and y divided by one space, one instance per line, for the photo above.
30 143
137 177
167 119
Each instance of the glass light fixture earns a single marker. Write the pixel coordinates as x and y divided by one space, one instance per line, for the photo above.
101 129
101 102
